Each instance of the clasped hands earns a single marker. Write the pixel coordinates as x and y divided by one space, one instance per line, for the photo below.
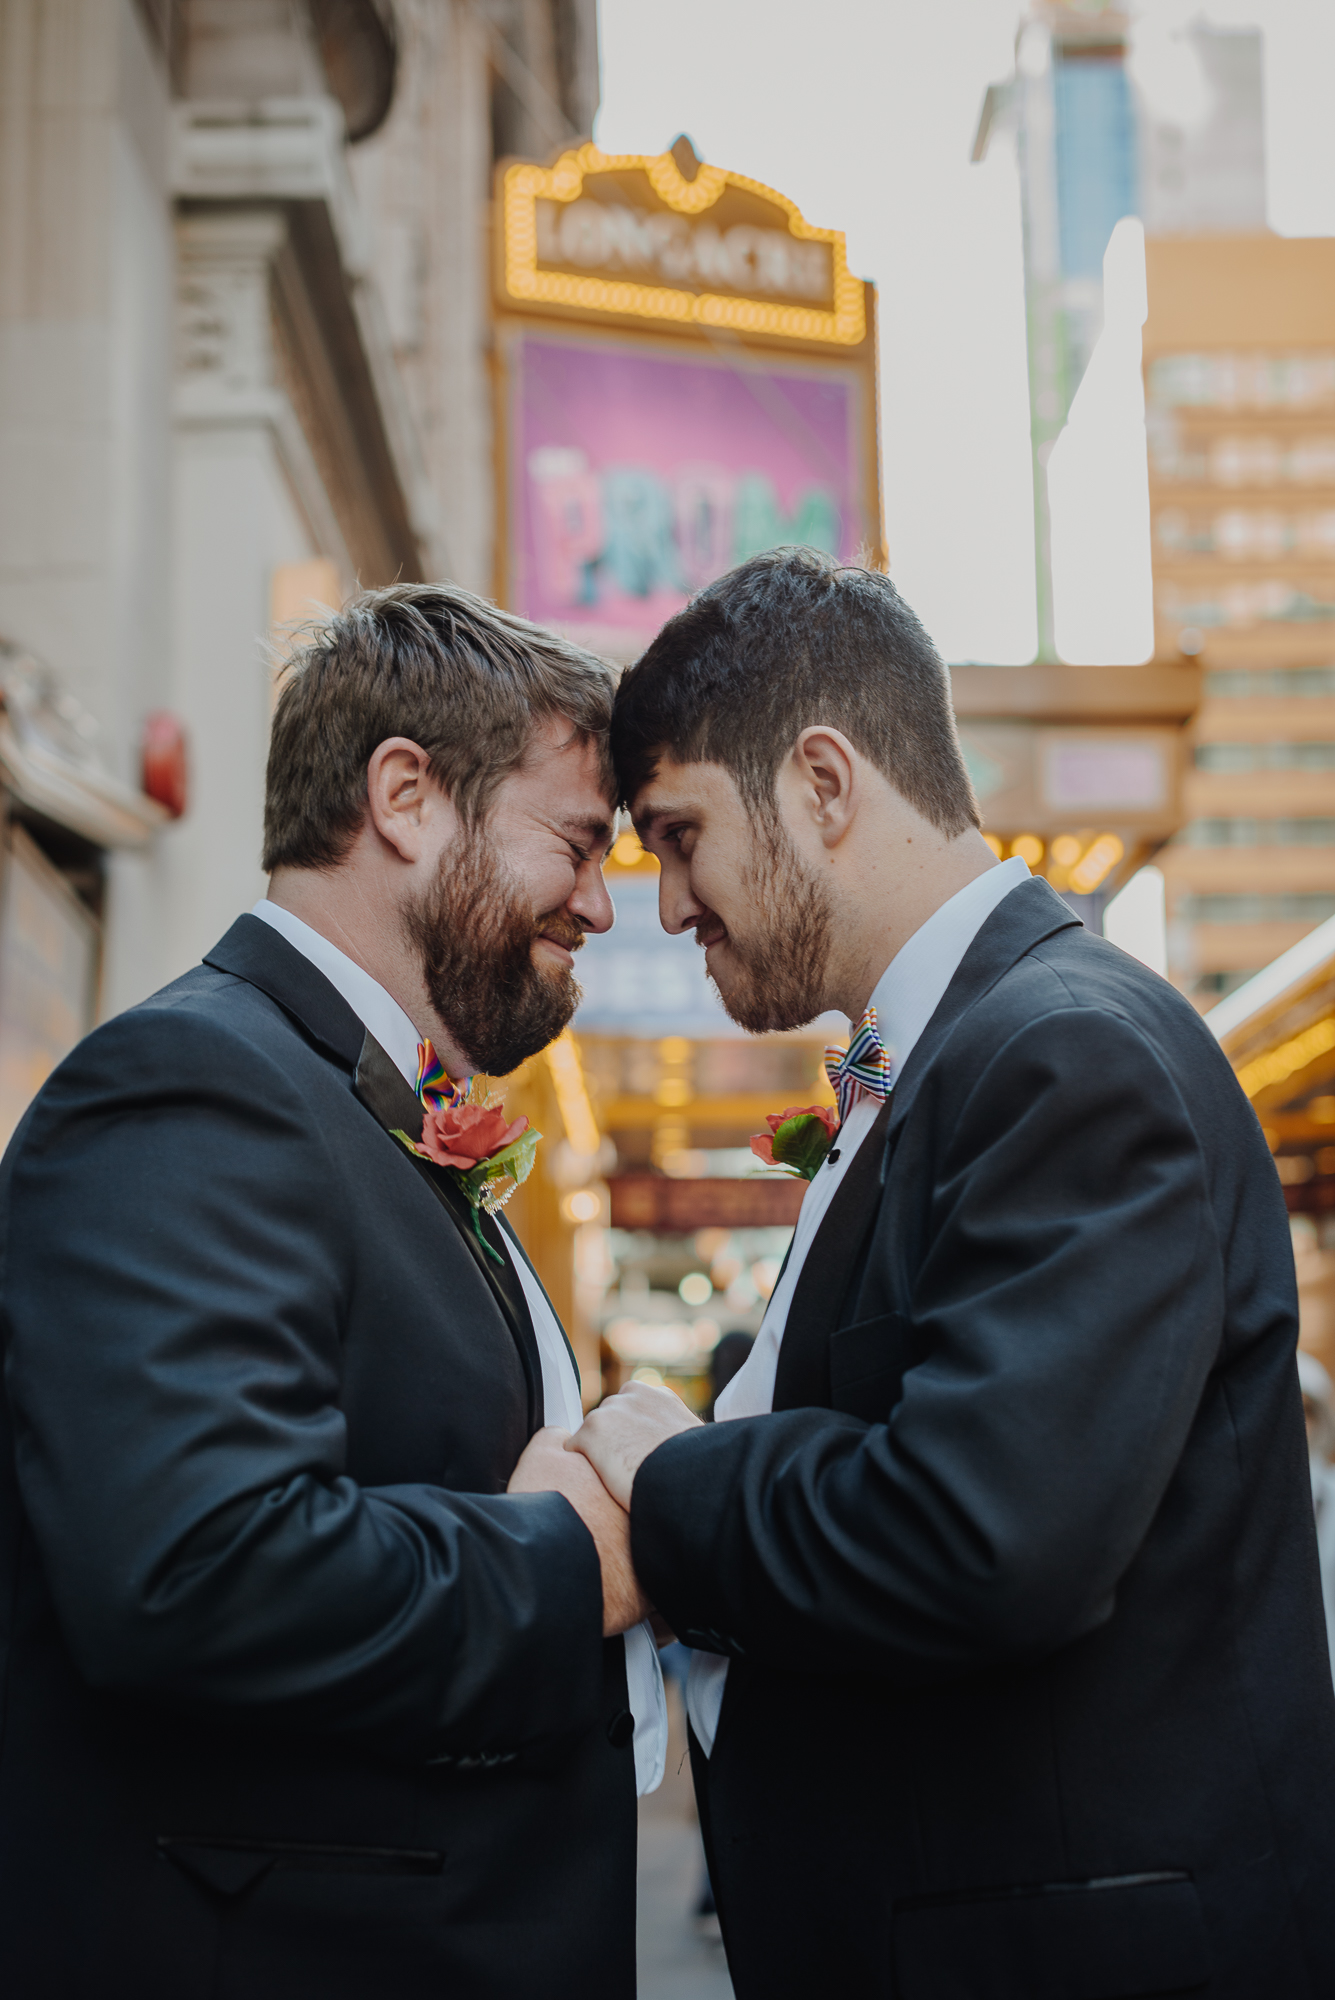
595 1467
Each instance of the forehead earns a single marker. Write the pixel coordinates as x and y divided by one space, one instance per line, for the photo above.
562 766
685 788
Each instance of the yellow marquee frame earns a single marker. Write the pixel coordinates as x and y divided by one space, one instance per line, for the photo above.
525 184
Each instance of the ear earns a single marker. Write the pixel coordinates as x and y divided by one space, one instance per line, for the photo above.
823 767
405 804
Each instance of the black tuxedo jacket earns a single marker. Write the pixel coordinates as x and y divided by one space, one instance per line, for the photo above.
1029 1695
296 1701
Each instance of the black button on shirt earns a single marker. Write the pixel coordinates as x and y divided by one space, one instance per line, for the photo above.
621 1729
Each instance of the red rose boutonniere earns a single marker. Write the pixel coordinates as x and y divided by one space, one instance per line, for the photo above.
467 1135
797 1140
487 1154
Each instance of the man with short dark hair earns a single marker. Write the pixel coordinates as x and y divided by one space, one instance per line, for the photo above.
298 1700
999 1560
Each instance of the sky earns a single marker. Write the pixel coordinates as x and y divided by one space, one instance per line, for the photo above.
863 112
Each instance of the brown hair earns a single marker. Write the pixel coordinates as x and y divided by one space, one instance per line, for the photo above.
431 662
787 640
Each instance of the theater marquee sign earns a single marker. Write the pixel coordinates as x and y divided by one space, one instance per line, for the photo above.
633 235
686 378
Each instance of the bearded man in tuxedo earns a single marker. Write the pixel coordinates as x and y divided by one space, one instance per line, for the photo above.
299 1703
1000 1558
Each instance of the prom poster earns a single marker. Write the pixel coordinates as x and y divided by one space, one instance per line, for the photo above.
637 475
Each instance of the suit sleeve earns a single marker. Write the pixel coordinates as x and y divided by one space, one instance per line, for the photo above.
179 1251
1068 1309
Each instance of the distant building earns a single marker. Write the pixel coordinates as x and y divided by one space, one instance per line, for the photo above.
245 330
1240 407
1093 146
1202 169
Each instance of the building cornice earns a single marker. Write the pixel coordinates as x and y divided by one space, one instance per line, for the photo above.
265 186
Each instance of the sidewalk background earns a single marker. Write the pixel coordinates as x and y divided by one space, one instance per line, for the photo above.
680 1954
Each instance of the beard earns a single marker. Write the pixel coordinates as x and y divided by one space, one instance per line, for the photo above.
475 932
781 960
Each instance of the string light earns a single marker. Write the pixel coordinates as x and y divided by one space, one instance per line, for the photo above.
524 185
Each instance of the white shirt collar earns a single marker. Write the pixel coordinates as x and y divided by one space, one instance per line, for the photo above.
911 988
374 1007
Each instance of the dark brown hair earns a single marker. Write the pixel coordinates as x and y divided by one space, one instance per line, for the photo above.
431 662
788 640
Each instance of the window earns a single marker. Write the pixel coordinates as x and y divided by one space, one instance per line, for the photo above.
1245 603
1242 381
1300 908
1257 833
1235 757
1244 534
1287 681
1186 457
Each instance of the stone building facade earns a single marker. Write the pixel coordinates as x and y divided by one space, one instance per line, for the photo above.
244 365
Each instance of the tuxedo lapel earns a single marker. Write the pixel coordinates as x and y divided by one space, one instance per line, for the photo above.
395 1105
1031 912
802 1378
254 951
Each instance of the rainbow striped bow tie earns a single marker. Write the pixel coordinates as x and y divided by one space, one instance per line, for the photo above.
862 1068
434 1085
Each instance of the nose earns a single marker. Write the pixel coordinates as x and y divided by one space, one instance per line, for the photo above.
678 909
590 901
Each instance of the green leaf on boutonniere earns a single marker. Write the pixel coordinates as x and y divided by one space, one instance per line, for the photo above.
484 1183
801 1144
798 1139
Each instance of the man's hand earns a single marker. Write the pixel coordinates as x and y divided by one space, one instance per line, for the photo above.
546 1468
619 1435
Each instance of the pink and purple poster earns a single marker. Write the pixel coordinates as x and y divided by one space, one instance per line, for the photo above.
638 477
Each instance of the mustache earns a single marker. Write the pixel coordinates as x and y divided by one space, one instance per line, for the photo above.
564 930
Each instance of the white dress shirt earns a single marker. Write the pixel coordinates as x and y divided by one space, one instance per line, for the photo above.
378 1011
908 994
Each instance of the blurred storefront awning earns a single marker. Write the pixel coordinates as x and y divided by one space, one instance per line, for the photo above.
1278 1031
